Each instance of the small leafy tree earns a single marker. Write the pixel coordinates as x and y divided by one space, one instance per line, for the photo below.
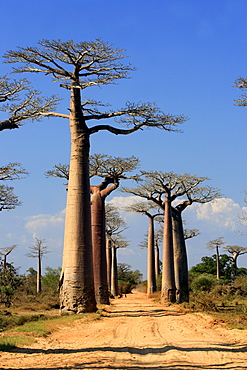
127 279
9 283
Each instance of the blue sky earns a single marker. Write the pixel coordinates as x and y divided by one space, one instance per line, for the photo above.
187 54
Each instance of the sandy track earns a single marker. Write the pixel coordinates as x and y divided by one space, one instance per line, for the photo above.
136 333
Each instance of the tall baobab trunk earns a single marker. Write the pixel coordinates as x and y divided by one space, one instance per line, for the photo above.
168 290
180 258
114 274
157 260
108 261
99 246
39 272
151 283
76 284
234 266
217 262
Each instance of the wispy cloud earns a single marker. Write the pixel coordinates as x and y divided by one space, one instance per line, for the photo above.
44 222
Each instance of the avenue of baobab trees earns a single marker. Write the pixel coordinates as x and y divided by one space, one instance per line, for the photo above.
76 67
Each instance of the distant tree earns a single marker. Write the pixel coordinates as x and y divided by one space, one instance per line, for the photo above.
127 279
5 252
118 241
38 250
235 251
146 208
215 244
22 103
115 225
241 83
77 66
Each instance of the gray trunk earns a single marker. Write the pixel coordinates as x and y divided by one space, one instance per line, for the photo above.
180 259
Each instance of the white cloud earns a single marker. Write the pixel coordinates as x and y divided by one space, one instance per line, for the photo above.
122 202
42 222
222 212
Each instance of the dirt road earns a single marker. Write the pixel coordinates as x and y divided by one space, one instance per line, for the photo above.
136 333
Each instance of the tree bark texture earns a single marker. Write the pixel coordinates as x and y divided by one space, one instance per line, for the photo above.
114 274
180 258
76 284
108 261
99 246
157 261
168 290
151 282
217 262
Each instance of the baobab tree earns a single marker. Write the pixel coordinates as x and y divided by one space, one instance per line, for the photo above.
146 208
10 172
77 66
235 251
241 83
38 250
117 241
215 244
112 170
162 189
22 103
115 225
194 192
5 252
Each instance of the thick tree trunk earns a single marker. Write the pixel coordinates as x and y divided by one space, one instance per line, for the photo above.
180 258
108 261
114 274
168 290
99 246
217 263
157 261
39 273
76 284
151 283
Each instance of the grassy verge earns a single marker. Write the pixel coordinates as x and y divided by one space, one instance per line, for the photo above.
31 326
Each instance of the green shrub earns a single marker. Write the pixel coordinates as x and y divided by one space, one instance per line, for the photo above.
203 282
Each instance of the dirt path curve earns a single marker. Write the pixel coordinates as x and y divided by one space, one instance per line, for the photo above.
136 333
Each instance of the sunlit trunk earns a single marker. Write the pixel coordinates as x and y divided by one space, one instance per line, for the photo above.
180 258
217 263
39 273
114 274
108 261
157 261
168 281
76 283
151 283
